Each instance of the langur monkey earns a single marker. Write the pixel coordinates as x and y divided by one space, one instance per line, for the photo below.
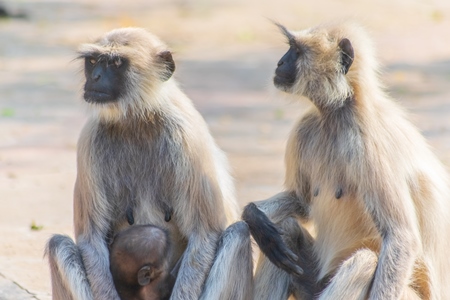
361 174
145 156
139 263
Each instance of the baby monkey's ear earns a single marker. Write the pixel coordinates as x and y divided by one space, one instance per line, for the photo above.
145 275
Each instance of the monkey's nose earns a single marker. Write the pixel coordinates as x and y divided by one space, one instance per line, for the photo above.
280 63
96 76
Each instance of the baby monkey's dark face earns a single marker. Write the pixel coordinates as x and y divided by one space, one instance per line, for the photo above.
105 78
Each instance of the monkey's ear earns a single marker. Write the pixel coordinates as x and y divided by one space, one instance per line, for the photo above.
347 54
284 31
145 275
167 60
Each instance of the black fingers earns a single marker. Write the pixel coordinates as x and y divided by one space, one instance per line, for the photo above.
269 240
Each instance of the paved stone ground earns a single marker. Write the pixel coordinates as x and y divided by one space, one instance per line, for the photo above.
226 52
11 290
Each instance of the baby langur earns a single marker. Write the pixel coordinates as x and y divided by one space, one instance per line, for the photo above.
139 263
146 156
361 174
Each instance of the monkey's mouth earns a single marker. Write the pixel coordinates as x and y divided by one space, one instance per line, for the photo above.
282 79
283 82
98 97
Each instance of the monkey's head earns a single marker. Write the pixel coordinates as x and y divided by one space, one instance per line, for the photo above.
139 258
321 63
124 68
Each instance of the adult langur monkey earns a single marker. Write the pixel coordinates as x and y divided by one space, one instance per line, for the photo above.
362 174
146 156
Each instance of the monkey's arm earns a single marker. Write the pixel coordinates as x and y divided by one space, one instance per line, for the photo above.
90 231
95 255
284 205
199 214
392 209
259 217
195 265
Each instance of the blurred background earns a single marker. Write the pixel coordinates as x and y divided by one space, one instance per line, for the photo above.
226 52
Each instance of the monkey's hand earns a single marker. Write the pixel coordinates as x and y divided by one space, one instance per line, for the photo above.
269 240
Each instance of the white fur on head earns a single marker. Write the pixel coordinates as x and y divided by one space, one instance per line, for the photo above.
320 71
145 90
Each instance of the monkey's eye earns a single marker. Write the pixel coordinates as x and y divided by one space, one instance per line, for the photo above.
292 43
92 61
294 47
118 62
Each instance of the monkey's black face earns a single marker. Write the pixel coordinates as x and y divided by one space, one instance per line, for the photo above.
287 70
105 78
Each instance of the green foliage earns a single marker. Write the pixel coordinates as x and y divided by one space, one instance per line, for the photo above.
35 227
437 16
279 114
7 112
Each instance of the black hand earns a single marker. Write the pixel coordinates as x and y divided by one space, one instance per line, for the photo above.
269 240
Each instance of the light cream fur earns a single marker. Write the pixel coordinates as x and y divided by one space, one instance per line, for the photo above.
150 153
355 139
146 94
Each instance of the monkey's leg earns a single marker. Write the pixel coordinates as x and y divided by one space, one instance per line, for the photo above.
354 277
69 280
272 282
261 216
294 250
231 275
303 286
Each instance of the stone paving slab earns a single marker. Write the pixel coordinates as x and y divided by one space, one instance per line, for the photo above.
10 290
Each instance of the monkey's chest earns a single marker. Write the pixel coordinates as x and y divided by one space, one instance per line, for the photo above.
138 182
134 159
137 174
128 168
341 222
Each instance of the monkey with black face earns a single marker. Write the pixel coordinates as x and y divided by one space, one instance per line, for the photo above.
139 263
146 156
361 174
